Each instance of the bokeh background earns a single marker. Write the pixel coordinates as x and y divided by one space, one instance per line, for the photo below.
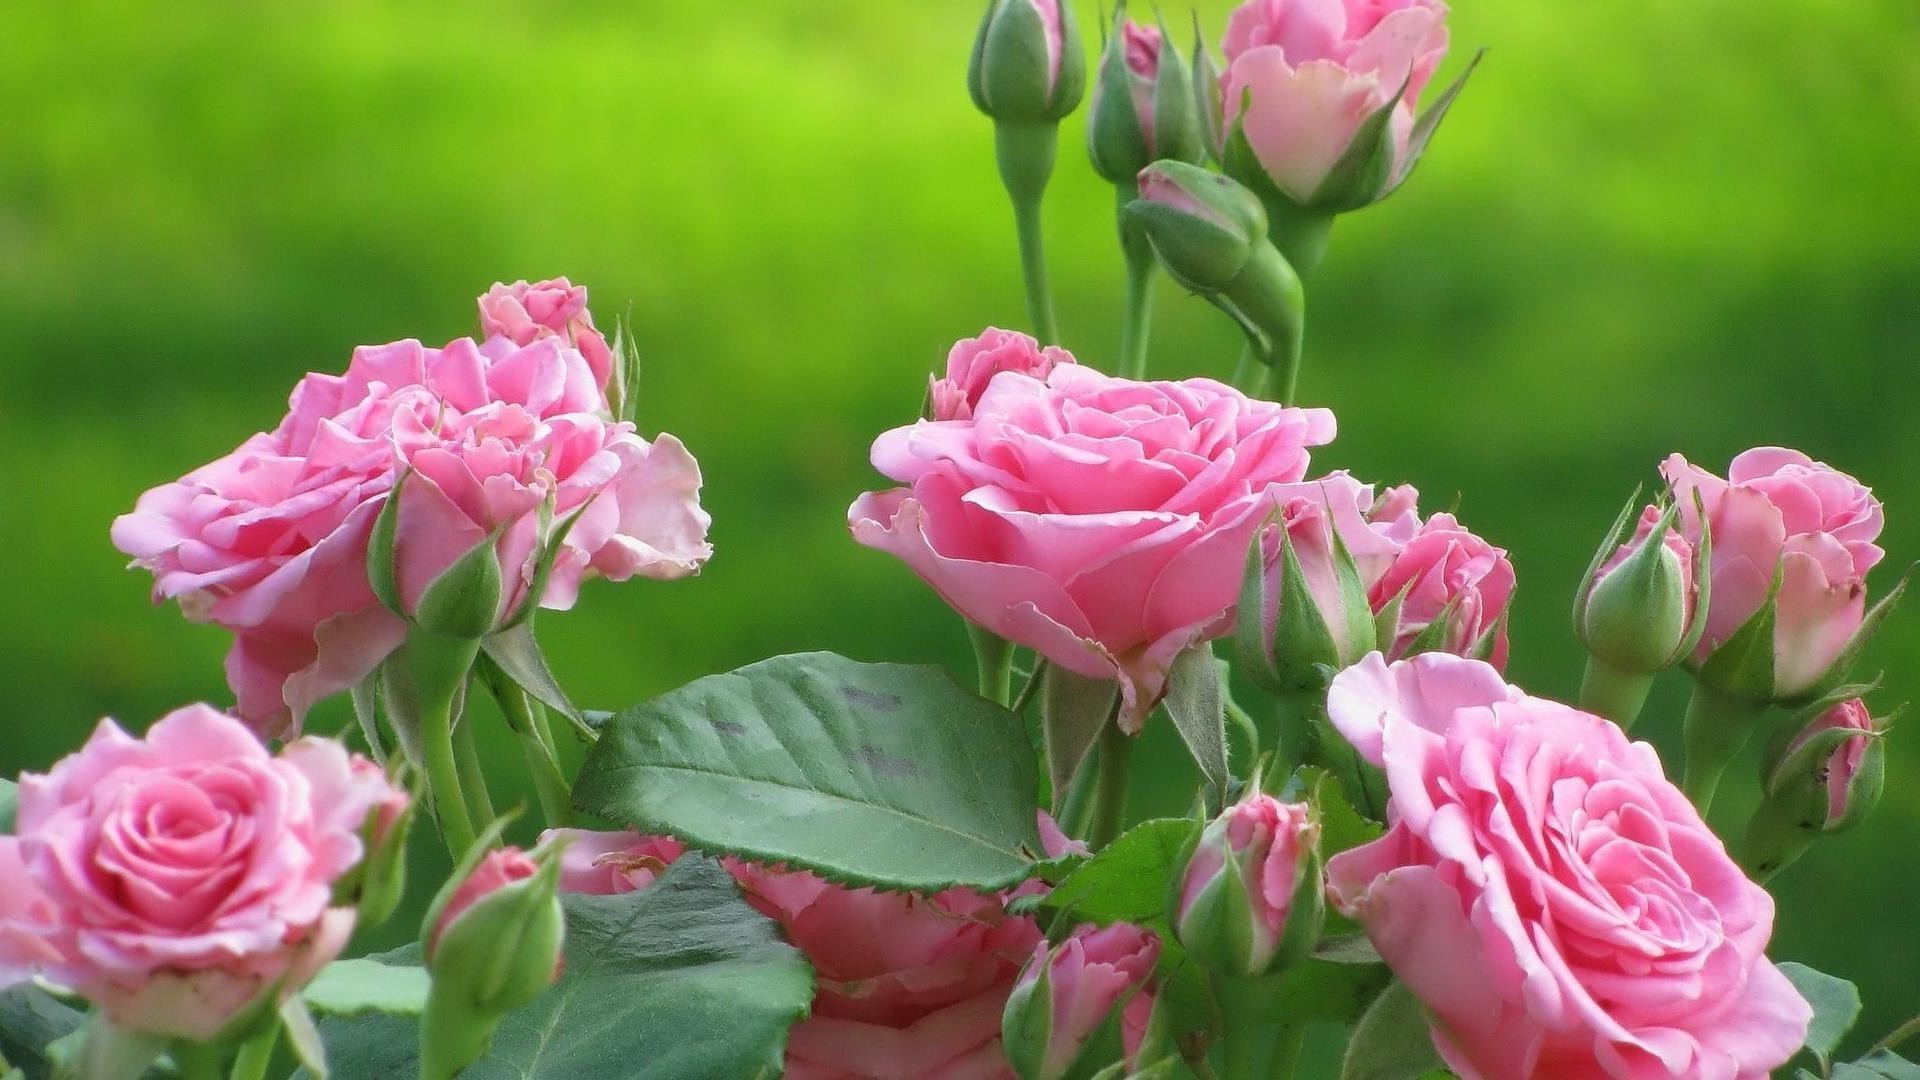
1647 226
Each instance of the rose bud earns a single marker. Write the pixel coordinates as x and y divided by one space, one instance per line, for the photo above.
1066 1009
1248 901
973 362
1320 108
1209 102
1447 591
375 887
493 942
1142 108
1210 234
1303 601
1824 777
1026 66
1638 612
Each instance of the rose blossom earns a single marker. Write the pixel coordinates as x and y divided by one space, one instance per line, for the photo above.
973 362
173 880
270 542
1780 508
1314 515
1087 976
1101 522
1551 897
1239 885
496 870
1845 767
1446 571
522 314
1303 75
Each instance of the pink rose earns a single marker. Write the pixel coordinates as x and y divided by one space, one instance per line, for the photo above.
1141 44
1239 885
1099 521
609 863
175 880
270 542
1447 573
1846 767
523 314
1780 508
973 362
906 986
1303 75
496 870
1641 623
1088 975
1551 897
1314 514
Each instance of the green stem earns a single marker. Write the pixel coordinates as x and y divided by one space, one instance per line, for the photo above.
1138 321
1025 154
1076 810
1716 727
1286 1052
473 778
1898 1035
993 657
452 1036
1249 730
529 720
197 1060
437 668
1617 695
1250 373
1293 716
1110 786
255 1055
1299 233
1243 1024
1775 840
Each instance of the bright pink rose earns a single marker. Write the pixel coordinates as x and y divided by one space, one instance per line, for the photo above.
973 362
1101 522
1780 508
906 986
1303 75
497 869
1444 571
1551 897
609 863
175 880
1313 513
523 314
270 542
1087 976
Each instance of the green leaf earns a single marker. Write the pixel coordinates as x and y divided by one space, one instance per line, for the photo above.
1743 664
1319 990
1364 171
9 804
518 655
1392 1041
382 566
1836 1005
681 979
1881 1065
1353 948
303 1038
1429 122
1073 710
366 710
464 601
31 1020
345 987
1197 703
880 774
1129 880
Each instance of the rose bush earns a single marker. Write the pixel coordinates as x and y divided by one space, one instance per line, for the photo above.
1551 897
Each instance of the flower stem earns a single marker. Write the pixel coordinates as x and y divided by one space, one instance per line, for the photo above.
1110 786
197 1060
1025 153
473 778
1612 693
1286 1052
1716 727
1898 1035
255 1055
1242 1026
437 667
1137 324
993 656
1250 372
529 720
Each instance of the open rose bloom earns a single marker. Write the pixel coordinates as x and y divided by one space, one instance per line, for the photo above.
1099 521
270 542
184 880
1554 901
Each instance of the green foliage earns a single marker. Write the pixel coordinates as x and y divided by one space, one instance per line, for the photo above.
345 987
1836 1005
9 804
31 1021
1130 879
680 979
881 774
1391 1042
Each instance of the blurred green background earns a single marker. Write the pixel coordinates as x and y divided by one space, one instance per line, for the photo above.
1646 227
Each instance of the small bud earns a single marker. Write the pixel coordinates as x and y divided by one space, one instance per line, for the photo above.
1204 226
1639 608
1066 1008
1249 899
1824 777
1143 103
375 887
1026 65
1303 606
458 598
493 943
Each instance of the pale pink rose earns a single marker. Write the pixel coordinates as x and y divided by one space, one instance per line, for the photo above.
1780 508
523 314
177 879
1313 513
1101 522
1050 22
496 870
1089 974
270 542
1272 843
973 362
1843 767
1303 75
609 863
906 986
1546 892
1446 571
